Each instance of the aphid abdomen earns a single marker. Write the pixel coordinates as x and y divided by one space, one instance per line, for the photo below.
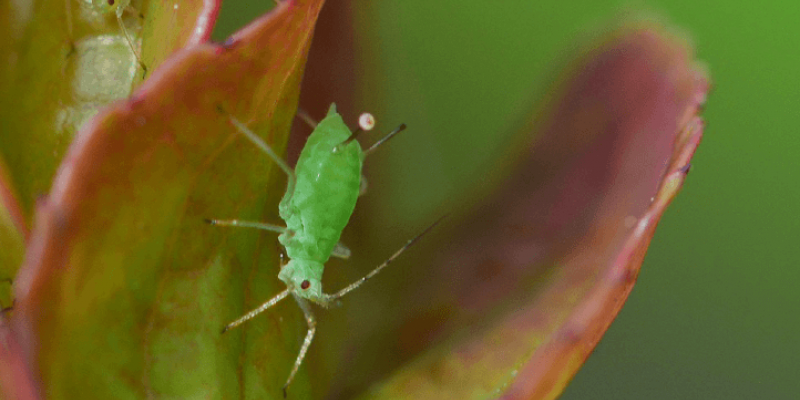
325 193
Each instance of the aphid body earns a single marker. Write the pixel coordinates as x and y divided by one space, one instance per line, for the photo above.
320 197
118 7
318 207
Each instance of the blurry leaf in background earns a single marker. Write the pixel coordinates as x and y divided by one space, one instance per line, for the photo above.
709 317
609 146
536 275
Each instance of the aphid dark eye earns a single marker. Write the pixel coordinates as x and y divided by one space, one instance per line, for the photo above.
111 2
305 284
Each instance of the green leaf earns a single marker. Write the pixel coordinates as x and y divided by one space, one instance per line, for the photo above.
62 61
169 26
125 289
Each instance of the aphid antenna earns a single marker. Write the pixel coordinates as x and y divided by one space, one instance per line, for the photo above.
352 137
384 139
306 117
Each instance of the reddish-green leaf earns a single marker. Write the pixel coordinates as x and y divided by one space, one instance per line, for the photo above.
125 289
16 380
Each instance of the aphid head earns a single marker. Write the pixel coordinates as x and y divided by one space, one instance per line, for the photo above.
303 278
107 6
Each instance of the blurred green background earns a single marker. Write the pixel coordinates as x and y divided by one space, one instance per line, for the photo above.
715 313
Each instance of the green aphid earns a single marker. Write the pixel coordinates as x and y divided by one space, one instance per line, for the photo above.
320 197
118 7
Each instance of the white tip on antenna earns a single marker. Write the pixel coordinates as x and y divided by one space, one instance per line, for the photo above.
366 121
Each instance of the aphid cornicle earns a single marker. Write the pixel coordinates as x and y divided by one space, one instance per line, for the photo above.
320 197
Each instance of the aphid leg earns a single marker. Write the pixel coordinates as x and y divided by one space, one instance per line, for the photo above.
269 303
244 130
312 328
303 114
246 224
341 251
385 139
334 297
128 38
